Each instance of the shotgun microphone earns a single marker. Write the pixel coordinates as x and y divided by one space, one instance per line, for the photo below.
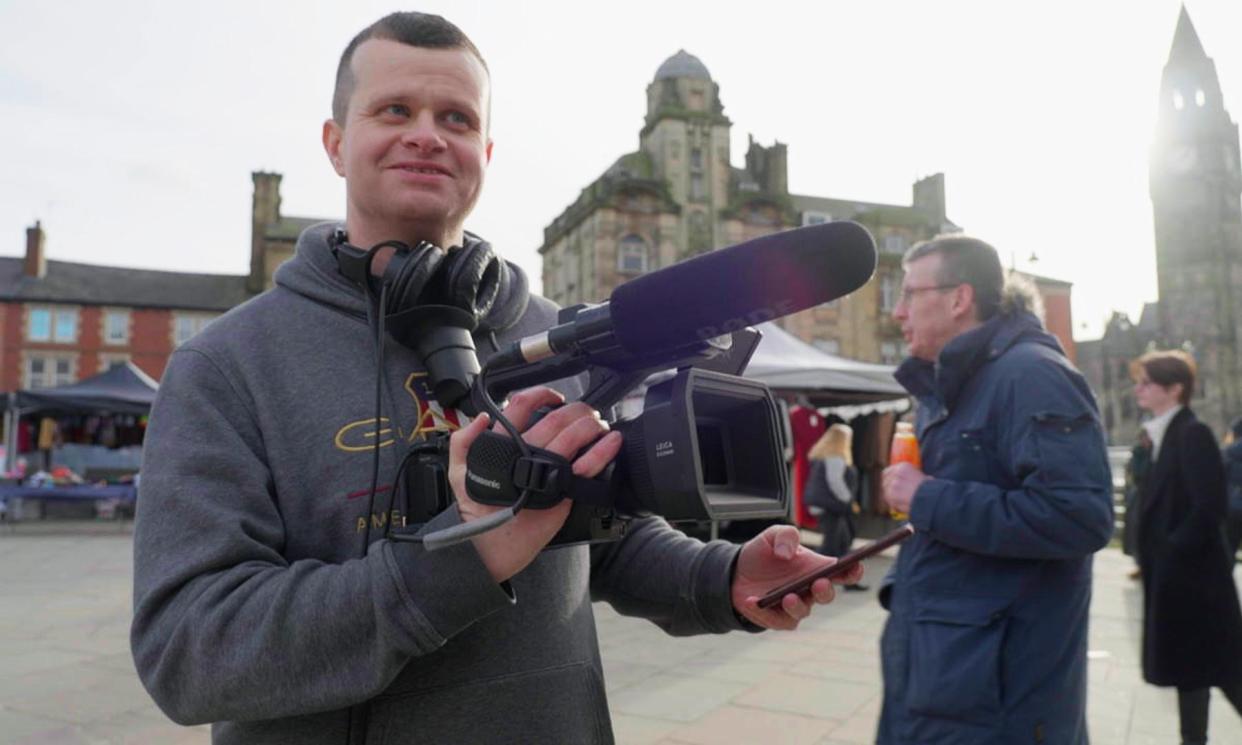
711 295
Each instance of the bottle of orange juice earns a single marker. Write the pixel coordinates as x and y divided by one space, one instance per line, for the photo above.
905 449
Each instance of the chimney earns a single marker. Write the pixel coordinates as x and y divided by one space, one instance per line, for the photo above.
265 211
929 197
36 259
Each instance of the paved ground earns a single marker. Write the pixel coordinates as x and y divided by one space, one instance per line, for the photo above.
66 675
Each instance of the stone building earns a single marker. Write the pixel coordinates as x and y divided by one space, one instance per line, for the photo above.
678 195
1196 192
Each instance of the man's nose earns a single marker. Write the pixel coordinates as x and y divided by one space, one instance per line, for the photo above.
423 133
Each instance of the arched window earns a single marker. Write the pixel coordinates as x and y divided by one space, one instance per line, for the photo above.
632 255
1178 102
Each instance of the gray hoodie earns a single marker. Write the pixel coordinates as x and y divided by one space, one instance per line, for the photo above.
257 604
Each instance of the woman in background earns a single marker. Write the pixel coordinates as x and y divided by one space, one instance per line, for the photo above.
829 491
1192 625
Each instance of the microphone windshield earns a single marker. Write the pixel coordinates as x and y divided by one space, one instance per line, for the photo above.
742 285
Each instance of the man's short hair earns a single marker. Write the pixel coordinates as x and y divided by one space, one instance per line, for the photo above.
968 261
1166 368
424 30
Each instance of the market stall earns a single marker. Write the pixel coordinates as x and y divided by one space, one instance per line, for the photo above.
99 420
820 388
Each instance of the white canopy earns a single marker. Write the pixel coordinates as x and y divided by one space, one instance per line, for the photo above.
788 364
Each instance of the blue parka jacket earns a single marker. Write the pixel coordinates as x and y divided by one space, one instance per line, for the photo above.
986 640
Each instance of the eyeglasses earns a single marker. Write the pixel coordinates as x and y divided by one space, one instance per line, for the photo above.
909 292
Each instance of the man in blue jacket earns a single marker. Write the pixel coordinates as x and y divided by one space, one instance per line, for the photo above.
986 640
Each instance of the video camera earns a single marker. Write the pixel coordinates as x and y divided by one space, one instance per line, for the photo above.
708 443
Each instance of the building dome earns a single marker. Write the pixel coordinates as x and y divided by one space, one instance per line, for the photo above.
683 65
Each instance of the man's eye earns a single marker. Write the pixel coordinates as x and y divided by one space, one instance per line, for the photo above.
457 117
397 109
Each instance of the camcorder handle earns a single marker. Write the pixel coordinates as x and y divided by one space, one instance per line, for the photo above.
497 472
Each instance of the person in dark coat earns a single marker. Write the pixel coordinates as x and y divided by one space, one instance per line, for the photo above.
1233 481
1192 624
986 639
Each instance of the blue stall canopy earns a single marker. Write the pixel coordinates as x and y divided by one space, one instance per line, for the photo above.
122 389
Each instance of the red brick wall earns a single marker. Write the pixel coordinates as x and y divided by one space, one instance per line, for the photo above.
151 340
90 341
1058 319
11 371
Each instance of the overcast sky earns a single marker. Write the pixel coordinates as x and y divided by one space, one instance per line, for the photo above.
130 128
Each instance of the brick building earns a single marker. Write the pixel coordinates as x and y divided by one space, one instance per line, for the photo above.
61 321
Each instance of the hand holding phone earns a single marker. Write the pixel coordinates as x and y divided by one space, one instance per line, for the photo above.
802 585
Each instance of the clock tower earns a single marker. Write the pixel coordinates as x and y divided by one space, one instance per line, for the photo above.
1196 194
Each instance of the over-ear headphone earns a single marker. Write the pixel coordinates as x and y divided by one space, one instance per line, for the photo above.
468 278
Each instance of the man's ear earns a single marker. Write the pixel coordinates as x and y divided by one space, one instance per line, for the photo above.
963 302
489 152
332 145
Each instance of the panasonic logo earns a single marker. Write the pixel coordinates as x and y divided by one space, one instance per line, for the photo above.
482 481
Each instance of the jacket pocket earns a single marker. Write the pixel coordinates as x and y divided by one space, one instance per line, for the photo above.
955 657
1071 450
559 704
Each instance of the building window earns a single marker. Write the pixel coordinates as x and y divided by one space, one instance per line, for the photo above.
1178 102
53 324
632 255
895 243
109 361
40 325
888 293
696 186
49 370
186 325
828 346
815 218
696 157
116 327
1200 97
888 353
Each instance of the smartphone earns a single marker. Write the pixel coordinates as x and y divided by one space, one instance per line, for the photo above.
802 585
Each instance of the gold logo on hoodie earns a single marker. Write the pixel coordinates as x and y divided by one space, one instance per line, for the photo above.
360 436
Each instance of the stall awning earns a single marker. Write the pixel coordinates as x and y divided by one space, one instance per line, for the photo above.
786 363
122 389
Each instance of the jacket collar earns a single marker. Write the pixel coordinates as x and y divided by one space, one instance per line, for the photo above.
966 353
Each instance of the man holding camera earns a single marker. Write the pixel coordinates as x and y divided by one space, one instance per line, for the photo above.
986 640
267 600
